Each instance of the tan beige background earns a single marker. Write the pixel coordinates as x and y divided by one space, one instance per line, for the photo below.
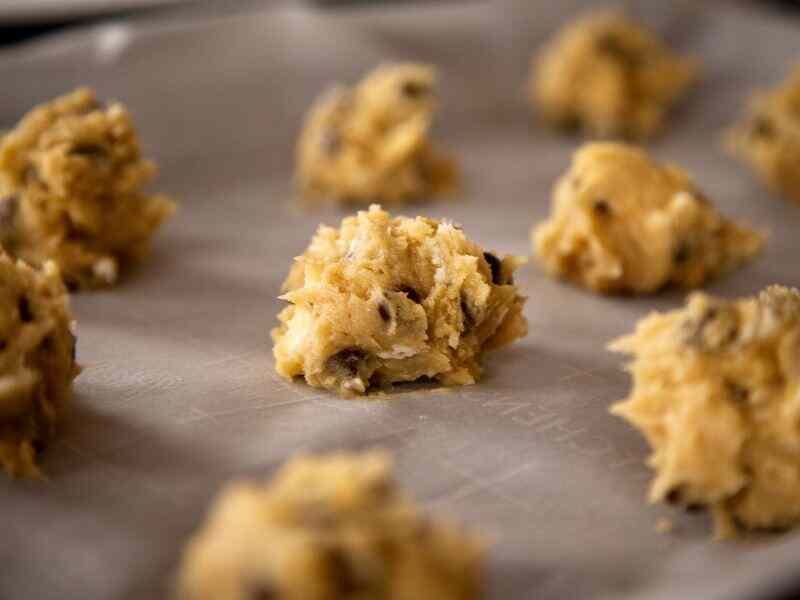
179 392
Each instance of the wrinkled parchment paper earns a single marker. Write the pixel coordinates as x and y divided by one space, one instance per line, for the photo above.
179 393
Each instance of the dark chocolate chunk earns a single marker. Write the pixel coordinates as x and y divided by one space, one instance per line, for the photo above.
383 311
410 292
89 150
737 392
674 495
346 361
39 446
24 308
343 576
762 127
602 208
262 590
496 267
682 253
3 345
47 343
468 319
8 211
414 89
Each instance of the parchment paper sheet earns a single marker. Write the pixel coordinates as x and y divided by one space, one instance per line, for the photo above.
179 393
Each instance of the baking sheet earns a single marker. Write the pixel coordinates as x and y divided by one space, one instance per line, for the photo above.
179 393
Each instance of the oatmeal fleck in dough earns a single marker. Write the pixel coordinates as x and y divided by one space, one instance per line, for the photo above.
609 76
716 391
71 178
622 223
768 138
37 361
371 143
385 300
328 528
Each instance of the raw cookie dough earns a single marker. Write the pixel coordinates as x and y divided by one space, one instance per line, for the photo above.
622 223
328 528
71 179
384 300
768 138
371 143
609 76
37 361
716 391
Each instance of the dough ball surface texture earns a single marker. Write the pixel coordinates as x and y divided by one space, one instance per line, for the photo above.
716 392
327 528
37 362
71 179
371 143
622 223
768 137
609 76
389 299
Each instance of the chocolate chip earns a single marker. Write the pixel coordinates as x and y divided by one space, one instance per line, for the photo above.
39 446
47 344
762 127
383 311
346 361
414 89
468 319
24 308
262 590
496 267
71 284
3 345
682 253
8 211
410 292
330 141
674 495
737 392
89 150
602 208
342 575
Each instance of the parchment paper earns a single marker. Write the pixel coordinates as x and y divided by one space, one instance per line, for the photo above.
179 393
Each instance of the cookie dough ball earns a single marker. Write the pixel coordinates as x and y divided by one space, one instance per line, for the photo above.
371 143
609 76
622 223
768 138
328 528
71 179
715 392
37 362
384 300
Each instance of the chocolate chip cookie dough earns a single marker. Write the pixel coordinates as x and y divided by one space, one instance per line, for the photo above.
716 391
384 300
768 138
622 223
371 143
37 361
608 76
71 179
328 528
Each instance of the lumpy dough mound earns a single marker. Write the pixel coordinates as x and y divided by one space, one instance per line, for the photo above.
330 527
371 143
716 392
622 223
609 76
768 138
71 179
384 300
37 362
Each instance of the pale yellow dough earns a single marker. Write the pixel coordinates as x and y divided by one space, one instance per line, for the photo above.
716 391
371 143
383 300
622 223
37 362
768 138
71 190
609 76
331 527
